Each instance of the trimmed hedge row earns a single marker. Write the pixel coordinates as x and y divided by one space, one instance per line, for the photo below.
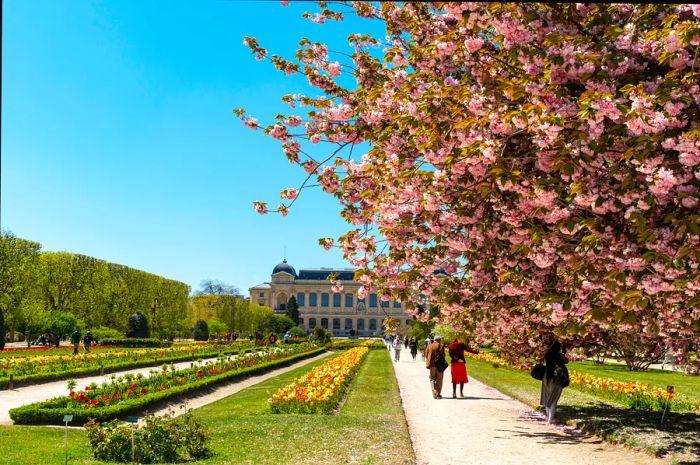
136 342
92 370
51 412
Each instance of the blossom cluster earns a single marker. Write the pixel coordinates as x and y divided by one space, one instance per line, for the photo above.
534 168
320 389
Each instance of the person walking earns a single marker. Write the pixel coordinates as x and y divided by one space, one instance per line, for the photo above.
397 348
458 367
75 340
87 341
435 362
426 343
556 378
413 345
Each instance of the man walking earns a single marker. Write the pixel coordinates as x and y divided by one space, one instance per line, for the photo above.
75 340
433 355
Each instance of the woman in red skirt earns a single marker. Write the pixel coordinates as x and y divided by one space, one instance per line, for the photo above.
458 367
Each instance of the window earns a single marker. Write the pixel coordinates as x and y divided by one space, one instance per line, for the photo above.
312 299
324 299
348 323
301 299
348 300
397 304
373 300
262 294
312 323
336 323
336 300
360 324
301 321
324 323
372 324
408 322
384 304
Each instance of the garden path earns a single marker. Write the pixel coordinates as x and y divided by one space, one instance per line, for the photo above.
487 427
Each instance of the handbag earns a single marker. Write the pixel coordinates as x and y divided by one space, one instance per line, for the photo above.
439 360
561 374
538 372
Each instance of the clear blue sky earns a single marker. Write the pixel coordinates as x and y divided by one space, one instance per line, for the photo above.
118 139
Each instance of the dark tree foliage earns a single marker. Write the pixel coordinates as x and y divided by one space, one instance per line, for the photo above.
293 310
201 331
137 326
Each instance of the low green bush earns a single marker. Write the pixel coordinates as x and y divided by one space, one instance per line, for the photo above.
160 440
136 342
51 412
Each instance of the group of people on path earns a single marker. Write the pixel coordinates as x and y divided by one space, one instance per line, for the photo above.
75 338
395 342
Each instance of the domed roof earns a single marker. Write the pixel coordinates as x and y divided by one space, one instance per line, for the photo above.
285 267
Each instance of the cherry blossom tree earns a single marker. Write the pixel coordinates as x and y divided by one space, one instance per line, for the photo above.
533 169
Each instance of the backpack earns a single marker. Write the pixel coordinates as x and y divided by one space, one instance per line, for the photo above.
439 359
561 375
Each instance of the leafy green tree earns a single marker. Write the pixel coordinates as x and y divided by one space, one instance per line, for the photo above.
276 324
217 328
137 326
321 335
298 331
293 309
18 261
201 331
59 326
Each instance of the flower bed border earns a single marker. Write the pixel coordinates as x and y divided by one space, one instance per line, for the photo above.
41 413
106 369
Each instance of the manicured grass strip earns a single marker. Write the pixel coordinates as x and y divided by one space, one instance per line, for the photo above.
370 429
679 437
53 411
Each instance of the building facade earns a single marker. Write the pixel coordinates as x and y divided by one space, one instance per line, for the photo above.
343 314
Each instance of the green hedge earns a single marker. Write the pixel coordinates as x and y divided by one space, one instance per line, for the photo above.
92 370
136 342
51 412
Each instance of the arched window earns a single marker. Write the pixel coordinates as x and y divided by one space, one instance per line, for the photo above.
348 324
336 323
361 324
372 324
312 323
324 323
384 304
336 300
301 299
348 300
312 299
324 299
397 304
373 300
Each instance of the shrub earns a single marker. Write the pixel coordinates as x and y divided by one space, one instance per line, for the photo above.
137 326
2 331
160 439
321 336
103 332
136 342
298 332
201 331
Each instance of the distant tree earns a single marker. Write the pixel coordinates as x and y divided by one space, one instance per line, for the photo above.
277 324
59 325
321 336
18 261
201 331
293 310
137 325
212 287
216 327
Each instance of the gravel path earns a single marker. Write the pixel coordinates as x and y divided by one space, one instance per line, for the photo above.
487 427
24 395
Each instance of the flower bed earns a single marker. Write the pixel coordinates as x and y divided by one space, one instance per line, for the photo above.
638 396
320 390
130 394
44 367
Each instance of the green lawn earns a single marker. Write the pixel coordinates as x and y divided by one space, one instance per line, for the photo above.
678 438
370 429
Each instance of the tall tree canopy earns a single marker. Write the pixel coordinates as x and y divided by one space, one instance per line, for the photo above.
546 157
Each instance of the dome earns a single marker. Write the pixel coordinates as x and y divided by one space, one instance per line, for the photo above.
284 267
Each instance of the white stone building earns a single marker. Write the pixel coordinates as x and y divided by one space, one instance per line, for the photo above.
339 313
